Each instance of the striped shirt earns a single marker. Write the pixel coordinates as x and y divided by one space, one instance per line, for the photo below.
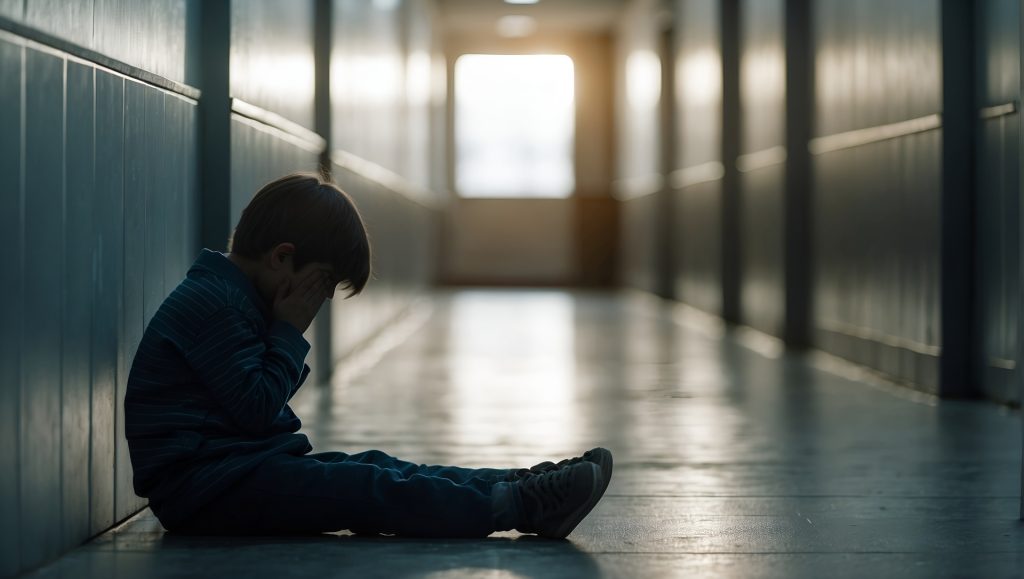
208 391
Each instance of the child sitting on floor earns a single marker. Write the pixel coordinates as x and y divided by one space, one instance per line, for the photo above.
214 445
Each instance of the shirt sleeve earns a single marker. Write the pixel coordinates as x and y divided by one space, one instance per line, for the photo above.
251 376
302 379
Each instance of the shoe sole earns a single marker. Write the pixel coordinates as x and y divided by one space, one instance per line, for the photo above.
597 486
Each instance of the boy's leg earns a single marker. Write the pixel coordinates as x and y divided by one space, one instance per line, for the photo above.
383 460
323 493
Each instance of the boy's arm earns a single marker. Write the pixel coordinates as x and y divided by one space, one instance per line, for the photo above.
250 377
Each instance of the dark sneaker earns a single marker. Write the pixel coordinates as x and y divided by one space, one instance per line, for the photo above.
554 502
599 456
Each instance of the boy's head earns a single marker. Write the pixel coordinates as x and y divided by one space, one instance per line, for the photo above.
300 222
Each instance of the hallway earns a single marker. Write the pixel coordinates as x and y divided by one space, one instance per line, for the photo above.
732 460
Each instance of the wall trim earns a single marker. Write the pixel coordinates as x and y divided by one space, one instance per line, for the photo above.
695 175
876 336
761 159
860 137
385 177
305 138
996 111
638 186
34 38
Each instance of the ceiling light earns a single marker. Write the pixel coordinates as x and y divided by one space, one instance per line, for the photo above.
516 26
521 1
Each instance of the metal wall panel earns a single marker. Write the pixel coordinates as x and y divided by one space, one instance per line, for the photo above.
88 270
135 248
639 170
876 211
149 34
71 20
639 254
272 56
76 381
696 231
11 300
108 293
997 196
762 176
153 153
259 154
697 170
40 436
367 72
13 9
402 234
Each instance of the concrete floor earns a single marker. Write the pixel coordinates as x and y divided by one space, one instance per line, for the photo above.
732 460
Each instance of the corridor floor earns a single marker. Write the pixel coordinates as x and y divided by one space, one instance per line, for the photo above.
732 459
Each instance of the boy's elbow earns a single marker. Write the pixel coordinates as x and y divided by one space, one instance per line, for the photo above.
260 417
258 425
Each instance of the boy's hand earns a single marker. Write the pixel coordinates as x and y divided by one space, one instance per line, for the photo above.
299 306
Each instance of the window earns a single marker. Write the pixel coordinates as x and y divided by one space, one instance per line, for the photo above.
514 125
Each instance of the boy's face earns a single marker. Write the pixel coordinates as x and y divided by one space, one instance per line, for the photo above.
279 270
321 267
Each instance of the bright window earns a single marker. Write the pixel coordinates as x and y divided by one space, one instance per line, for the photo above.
514 125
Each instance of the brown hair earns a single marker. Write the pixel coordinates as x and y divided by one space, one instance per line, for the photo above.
317 217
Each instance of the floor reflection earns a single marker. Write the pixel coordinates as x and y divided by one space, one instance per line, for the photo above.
512 370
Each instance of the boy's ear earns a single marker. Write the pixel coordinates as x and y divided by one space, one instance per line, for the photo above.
281 254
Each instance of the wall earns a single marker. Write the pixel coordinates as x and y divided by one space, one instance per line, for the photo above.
696 178
998 198
877 200
148 34
640 165
99 215
384 97
762 164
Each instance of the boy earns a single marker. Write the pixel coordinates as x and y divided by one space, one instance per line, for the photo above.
213 443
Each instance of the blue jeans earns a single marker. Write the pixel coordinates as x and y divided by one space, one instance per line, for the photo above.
368 492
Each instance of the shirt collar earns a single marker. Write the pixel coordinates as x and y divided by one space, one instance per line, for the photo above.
219 264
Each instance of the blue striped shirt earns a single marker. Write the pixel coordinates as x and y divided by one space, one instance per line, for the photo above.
208 391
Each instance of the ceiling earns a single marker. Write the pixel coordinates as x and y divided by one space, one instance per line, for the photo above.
476 16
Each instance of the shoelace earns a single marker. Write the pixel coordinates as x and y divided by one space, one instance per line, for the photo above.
548 466
549 489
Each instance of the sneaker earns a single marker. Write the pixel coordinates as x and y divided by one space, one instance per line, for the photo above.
599 456
554 502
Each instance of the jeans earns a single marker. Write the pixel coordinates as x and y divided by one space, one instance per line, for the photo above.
368 492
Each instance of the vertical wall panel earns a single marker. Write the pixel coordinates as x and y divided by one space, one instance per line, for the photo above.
697 171
149 34
154 192
108 290
876 208
762 148
13 9
367 116
88 272
190 183
135 247
272 56
638 169
11 300
44 247
77 301
174 214
997 197
71 19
